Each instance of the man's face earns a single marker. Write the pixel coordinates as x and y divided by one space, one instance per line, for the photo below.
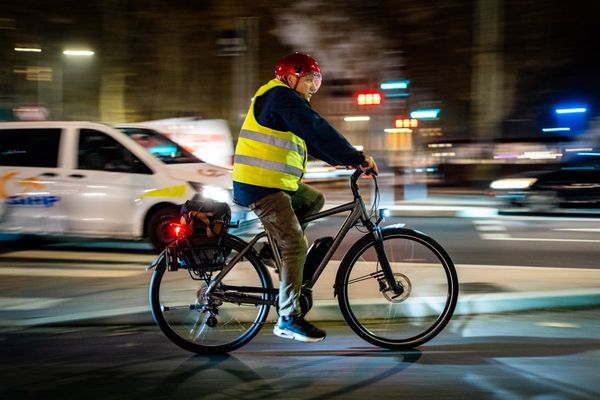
306 85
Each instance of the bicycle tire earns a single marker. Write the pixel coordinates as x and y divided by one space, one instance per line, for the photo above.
421 266
191 329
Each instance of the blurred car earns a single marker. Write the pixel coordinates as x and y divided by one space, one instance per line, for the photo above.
88 179
572 183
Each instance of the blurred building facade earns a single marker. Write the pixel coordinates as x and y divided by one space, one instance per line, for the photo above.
490 66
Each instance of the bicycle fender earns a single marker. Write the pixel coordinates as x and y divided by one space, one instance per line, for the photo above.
394 226
161 257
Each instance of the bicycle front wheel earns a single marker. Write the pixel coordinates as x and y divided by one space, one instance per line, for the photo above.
423 270
205 326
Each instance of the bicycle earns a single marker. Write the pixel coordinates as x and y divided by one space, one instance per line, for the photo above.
397 288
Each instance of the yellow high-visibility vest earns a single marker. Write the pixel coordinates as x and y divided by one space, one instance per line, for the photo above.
268 157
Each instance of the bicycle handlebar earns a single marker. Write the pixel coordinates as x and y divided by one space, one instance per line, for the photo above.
354 178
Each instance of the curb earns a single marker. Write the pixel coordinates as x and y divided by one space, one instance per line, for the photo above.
328 310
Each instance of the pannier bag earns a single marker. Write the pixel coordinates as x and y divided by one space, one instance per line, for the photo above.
205 223
205 217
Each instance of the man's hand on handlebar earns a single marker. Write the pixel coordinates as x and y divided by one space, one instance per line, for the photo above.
369 165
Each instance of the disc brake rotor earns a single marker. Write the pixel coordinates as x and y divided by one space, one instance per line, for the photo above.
402 281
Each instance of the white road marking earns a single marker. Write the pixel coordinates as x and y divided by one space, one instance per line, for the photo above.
558 324
486 221
79 255
578 229
502 236
79 316
490 228
68 273
28 303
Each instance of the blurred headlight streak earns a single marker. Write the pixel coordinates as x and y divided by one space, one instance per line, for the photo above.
79 53
216 193
515 183
28 49
357 118
398 130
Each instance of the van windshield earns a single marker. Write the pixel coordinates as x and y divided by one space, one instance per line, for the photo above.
160 146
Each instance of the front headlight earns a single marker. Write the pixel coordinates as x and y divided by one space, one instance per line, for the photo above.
217 193
513 183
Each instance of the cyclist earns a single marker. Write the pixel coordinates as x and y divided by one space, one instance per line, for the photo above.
279 131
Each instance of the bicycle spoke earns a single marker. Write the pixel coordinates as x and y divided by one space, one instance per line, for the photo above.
413 315
203 323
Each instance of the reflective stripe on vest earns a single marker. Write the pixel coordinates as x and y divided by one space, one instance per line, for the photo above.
273 165
272 140
268 157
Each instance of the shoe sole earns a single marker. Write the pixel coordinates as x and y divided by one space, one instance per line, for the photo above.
286 334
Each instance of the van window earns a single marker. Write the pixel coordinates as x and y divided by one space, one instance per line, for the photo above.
29 147
160 146
99 151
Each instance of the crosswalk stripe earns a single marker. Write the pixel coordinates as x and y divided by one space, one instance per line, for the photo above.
79 255
68 273
70 264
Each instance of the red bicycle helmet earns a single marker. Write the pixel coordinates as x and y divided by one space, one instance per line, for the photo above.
298 64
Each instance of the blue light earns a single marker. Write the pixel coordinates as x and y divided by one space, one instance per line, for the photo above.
396 95
577 110
394 85
425 114
556 129
588 154
578 168
510 196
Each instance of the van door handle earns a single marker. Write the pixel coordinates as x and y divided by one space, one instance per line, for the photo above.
49 174
76 176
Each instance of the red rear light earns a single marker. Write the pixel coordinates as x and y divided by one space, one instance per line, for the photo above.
177 230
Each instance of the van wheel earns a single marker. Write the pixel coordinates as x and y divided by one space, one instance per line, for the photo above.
159 230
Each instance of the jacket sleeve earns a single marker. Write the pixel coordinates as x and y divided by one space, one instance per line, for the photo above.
322 140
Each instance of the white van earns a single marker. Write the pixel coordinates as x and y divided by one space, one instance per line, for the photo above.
88 179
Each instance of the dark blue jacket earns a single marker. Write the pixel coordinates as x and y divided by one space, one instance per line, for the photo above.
284 109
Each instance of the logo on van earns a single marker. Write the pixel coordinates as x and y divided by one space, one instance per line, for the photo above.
20 199
211 172
32 201
4 181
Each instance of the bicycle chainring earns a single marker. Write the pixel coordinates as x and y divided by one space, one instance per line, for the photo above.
201 300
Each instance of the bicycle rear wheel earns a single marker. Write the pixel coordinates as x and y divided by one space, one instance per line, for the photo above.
209 326
430 289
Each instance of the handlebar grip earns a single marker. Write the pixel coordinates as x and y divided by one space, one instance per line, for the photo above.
370 171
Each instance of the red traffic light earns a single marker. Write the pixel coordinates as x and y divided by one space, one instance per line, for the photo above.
368 99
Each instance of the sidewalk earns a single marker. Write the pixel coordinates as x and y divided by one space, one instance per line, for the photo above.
486 289
483 290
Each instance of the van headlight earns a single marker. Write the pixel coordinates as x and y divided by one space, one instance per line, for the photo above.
513 183
216 193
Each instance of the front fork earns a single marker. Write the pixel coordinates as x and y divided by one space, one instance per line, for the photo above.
383 261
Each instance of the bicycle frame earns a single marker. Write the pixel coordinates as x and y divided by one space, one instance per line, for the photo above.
358 212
